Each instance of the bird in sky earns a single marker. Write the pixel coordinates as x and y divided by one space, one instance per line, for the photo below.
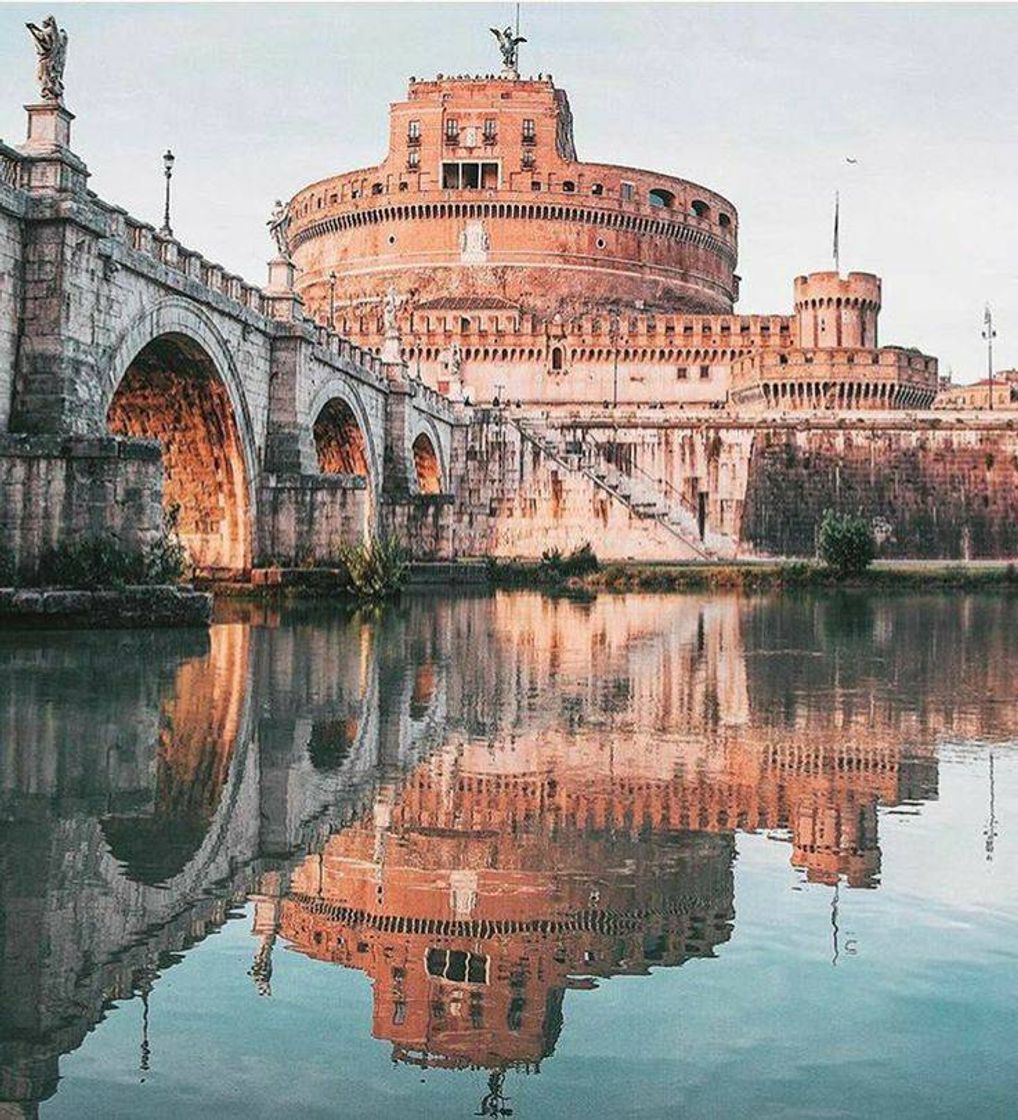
850 159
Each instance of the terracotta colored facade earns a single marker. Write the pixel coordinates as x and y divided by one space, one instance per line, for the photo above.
525 275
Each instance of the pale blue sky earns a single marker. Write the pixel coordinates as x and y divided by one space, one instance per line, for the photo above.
761 102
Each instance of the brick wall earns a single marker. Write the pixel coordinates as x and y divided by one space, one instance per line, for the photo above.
942 493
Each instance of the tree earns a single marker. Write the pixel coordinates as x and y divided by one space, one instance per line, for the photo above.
846 543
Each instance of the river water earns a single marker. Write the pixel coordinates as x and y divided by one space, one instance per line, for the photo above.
639 856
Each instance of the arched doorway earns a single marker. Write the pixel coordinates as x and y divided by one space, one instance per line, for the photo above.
429 473
172 392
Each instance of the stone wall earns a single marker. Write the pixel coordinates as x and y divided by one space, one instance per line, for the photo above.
10 295
307 519
935 492
424 522
52 489
931 488
515 499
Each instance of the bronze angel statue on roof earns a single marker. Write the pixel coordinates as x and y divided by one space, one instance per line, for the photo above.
509 45
51 45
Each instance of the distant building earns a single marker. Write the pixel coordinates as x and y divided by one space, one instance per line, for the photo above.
1003 390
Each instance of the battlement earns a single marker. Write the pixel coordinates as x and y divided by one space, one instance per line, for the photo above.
852 378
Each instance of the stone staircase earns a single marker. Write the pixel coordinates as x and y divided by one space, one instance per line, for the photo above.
646 497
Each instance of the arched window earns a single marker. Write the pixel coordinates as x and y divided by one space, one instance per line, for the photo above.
724 221
661 198
700 208
568 186
556 357
596 188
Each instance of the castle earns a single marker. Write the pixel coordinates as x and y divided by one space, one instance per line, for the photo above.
525 275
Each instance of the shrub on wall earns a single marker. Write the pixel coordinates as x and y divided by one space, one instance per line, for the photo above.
846 543
103 562
580 562
378 568
8 567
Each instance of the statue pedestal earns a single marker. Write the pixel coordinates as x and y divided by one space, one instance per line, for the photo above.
284 303
281 274
49 164
49 128
391 349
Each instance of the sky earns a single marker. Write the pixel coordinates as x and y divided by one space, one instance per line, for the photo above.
763 103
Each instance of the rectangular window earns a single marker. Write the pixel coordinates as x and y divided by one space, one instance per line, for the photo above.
413 130
469 175
490 129
457 965
704 372
529 132
452 129
682 373
628 191
413 159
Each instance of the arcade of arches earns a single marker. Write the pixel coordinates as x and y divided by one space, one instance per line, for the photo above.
173 393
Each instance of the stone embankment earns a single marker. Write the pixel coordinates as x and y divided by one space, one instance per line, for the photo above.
162 606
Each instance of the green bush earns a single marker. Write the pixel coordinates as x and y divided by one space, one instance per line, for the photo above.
580 562
846 543
103 562
8 567
378 568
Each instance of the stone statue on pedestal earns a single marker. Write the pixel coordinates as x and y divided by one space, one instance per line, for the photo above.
279 223
389 309
509 45
51 45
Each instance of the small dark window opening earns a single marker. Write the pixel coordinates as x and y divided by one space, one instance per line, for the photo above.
661 198
700 208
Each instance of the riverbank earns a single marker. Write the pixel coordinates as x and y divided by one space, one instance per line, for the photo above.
905 575
161 605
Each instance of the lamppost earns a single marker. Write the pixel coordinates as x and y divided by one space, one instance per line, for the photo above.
332 301
989 334
167 230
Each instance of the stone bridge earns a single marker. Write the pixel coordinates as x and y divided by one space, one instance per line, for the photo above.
135 375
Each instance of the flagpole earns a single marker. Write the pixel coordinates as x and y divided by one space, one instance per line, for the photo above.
837 214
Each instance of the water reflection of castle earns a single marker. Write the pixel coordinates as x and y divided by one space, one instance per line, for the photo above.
479 803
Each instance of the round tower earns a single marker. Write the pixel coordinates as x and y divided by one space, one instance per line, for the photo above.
835 311
482 197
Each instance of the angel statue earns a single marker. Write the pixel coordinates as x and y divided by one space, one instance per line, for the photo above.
278 223
389 310
51 45
509 45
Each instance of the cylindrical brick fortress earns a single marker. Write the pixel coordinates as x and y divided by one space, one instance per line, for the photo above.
481 196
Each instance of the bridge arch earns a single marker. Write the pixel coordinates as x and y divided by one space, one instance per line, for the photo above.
171 377
428 457
344 441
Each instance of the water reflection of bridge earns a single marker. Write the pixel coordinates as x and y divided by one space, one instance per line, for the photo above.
481 804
